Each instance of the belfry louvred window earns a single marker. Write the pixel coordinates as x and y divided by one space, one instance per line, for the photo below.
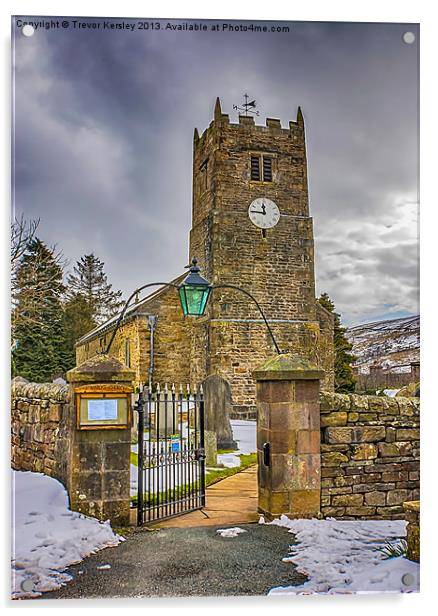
261 168
267 169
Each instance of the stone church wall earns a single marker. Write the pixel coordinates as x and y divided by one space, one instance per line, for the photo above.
236 349
370 455
171 341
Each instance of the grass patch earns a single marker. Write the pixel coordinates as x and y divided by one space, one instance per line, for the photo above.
216 475
123 531
226 451
394 550
134 458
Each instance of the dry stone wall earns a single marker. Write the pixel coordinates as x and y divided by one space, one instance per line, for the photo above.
39 428
370 455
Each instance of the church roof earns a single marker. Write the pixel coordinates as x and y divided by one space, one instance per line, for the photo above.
136 308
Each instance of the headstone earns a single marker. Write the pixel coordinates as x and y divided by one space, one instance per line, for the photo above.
165 419
218 404
210 444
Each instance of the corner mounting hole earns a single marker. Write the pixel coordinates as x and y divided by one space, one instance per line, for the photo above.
409 38
28 30
408 579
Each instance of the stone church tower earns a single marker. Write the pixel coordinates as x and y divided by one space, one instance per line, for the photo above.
251 227
233 166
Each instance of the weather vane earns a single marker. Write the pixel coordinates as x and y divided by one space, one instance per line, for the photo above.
247 107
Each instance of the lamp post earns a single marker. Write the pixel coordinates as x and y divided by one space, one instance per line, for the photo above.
194 292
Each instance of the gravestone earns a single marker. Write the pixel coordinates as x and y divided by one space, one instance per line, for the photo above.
165 419
218 404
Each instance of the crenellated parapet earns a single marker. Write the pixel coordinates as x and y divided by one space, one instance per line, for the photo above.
222 121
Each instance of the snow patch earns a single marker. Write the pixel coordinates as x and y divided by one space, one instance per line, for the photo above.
244 433
229 460
47 537
341 556
230 532
391 393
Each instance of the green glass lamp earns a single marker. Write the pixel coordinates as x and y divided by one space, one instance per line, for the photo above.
194 292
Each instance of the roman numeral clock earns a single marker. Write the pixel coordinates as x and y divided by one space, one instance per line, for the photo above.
264 213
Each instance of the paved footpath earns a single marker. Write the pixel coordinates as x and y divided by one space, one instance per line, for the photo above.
186 562
230 501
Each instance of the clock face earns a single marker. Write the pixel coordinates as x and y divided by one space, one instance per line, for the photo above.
264 213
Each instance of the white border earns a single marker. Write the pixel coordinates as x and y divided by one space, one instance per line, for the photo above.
323 10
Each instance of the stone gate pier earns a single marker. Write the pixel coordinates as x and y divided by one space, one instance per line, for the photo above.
288 436
99 477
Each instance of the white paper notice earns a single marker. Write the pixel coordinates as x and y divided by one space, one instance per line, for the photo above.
102 409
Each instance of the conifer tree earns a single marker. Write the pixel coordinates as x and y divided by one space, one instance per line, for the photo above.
78 321
89 281
39 345
344 378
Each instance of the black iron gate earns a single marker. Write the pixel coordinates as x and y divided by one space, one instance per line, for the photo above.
171 454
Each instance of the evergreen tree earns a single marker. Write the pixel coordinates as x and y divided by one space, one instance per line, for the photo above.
89 281
78 321
344 378
39 351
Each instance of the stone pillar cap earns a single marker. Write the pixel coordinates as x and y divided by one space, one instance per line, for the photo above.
288 367
100 369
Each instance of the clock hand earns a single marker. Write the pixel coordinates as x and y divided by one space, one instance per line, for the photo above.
257 212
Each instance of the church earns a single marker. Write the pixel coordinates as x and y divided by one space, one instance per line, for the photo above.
251 227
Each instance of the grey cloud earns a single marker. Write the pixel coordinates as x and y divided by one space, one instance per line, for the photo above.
104 127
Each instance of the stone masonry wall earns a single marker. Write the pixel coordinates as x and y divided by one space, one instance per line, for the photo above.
39 428
370 455
236 349
171 342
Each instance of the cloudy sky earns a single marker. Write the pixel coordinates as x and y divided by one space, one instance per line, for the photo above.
103 135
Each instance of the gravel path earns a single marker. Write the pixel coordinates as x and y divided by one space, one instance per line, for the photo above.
175 562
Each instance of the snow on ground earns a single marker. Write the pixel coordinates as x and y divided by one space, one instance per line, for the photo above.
133 480
340 556
244 433
229 460
230 532
47 537
391 392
